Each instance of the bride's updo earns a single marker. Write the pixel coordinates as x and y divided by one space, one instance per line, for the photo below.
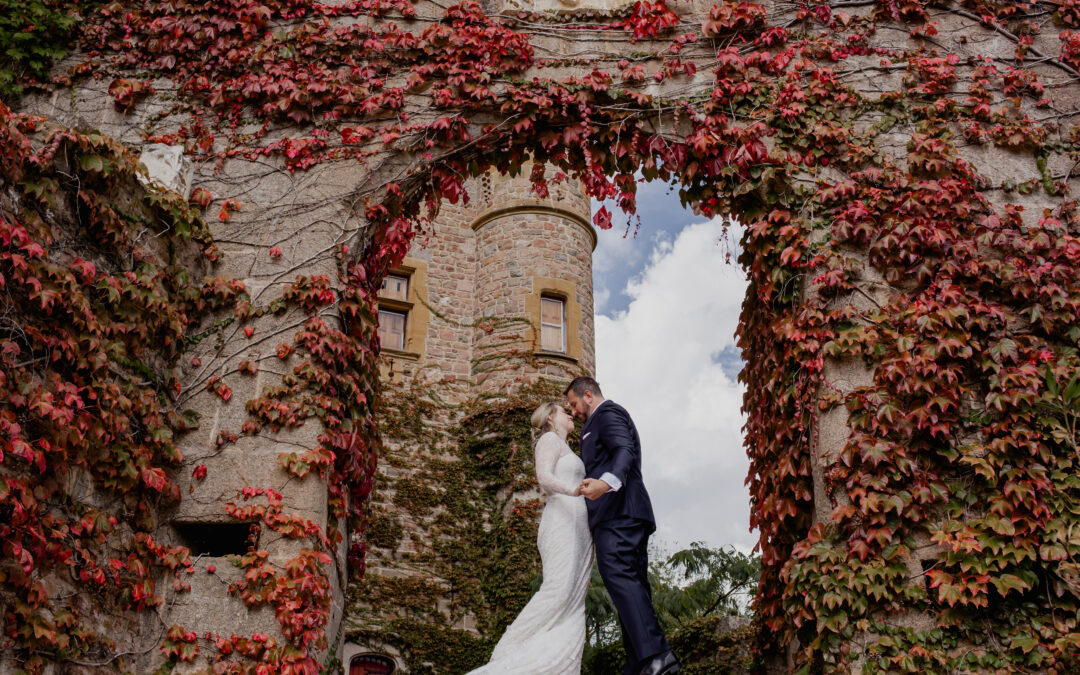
541 419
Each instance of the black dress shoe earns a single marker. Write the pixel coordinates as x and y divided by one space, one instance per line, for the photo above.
661 664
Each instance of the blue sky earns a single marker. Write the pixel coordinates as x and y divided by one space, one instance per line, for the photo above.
667 306
624 249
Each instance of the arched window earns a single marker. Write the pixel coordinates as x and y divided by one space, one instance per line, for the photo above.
371 664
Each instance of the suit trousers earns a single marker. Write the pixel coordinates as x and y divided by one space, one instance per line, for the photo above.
622 557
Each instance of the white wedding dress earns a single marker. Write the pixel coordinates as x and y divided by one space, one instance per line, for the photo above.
548 636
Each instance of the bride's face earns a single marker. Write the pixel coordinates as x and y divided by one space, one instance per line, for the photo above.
561 421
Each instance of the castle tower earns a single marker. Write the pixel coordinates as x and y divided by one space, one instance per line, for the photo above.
533 262
506 277
494 297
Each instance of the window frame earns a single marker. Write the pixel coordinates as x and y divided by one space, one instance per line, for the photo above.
567 291
404 314
417 314
551 297
406 277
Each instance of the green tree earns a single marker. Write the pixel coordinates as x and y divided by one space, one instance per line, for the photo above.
699 581
688 585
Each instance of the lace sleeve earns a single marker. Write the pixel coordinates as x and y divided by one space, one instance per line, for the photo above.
548 451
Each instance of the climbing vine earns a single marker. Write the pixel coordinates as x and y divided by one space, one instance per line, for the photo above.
88 348
905 174
34 34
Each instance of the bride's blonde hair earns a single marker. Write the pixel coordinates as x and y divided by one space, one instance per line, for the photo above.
541 419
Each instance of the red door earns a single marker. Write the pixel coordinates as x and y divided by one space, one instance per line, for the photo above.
371 664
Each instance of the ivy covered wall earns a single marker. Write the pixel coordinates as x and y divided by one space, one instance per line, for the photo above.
452 535
905 173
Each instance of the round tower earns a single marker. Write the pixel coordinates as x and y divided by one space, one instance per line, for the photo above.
533 284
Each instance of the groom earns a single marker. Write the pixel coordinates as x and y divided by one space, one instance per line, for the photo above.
621 520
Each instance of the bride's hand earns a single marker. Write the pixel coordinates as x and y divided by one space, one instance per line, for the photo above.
593 488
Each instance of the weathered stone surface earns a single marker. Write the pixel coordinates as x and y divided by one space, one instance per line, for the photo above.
251 461
209 607
166 166
473 273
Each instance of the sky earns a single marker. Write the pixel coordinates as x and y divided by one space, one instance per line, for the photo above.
667 306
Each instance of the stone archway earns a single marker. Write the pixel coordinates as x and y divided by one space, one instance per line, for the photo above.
904 171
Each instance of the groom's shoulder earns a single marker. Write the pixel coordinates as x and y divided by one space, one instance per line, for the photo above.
609 407
612 405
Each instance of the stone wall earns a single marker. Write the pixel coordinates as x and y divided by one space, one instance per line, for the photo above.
484 265
307 216
478 288
283 224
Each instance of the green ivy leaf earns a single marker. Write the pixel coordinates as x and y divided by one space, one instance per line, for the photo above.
92 163
1009 582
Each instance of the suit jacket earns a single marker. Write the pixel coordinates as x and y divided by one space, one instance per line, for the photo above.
610 444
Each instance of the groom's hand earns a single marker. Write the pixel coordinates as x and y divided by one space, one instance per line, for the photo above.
593 488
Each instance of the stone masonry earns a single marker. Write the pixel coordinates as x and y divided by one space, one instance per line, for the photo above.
478 272
476 276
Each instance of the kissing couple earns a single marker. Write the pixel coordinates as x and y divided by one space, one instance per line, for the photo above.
596 500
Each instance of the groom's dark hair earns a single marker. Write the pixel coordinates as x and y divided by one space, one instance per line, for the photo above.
580 385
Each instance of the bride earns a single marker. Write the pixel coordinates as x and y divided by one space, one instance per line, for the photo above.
548 636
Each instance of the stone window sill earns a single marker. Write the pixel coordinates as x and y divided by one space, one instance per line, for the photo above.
399 354
557 356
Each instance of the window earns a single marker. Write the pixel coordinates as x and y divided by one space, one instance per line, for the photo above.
552 324
403 314
392 329
215 539
394 309
371 664
395 287
555 314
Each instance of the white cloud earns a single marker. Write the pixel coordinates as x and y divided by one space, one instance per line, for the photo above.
664 359
617 250
601 297
621 250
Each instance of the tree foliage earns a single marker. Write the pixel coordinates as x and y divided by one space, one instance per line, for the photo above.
687 587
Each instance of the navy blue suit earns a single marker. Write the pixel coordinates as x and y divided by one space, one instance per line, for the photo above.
621 522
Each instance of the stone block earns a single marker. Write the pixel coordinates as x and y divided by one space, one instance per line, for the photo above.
166 166
251 461
208 607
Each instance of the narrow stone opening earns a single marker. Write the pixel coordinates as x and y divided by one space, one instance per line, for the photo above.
927 565
215 539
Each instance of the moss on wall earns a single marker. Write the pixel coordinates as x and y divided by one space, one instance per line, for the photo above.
452 536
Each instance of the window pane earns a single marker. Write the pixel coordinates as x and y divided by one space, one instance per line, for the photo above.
552 324
551 338
391 329
395 287
551 311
